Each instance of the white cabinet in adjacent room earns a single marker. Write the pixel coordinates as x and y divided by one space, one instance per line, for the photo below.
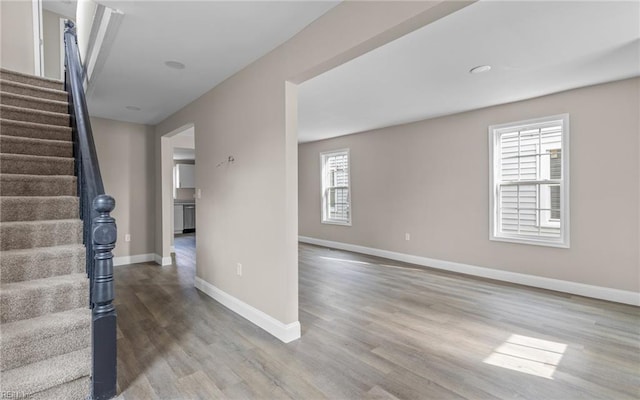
185 176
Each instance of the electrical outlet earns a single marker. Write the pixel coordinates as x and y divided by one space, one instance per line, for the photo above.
407 236
239 269
127 237
198 193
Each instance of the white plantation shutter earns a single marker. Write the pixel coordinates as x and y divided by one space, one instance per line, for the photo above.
528 181
336 202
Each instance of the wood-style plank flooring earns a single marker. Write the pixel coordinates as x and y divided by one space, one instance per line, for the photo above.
372 329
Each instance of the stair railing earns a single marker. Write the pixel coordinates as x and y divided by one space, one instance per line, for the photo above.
99 228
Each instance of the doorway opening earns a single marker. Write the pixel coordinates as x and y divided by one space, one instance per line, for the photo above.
184 200
178 191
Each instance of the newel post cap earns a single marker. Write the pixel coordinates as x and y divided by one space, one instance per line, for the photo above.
104 203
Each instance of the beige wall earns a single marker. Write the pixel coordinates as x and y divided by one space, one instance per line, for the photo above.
51 43
248 210
16 44
431 179
126 157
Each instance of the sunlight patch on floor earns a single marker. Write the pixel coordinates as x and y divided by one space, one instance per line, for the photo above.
528 355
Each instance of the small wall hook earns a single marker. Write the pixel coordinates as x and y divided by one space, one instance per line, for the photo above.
230 160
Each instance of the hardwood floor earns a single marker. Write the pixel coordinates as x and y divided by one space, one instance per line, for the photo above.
372 329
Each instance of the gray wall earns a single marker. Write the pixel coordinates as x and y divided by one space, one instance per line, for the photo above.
126 157
51 43
16 43
248 210
431 179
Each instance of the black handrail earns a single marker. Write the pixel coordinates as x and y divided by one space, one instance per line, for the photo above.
99 228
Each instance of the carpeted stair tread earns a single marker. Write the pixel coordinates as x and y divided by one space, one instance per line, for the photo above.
37 116
7 86
9 127
37 185
31 340
36 103
36 147
32 234
35 208
75 390
42 262
39 81
34 298
47 374
25 164
45 343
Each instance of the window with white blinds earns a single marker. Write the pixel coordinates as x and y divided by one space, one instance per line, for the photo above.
530 181
336 192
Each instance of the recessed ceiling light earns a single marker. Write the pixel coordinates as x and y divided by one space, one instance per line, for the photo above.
174 64
133 108
479 69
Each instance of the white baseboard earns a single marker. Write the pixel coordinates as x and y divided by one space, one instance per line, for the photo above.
163 261
285 332
138 258
581 289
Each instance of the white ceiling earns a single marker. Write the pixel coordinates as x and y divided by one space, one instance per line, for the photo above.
66 8
214 39
535 48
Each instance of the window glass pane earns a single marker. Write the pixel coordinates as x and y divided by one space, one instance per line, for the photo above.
525 209
555 163
336 207
338 204
528 154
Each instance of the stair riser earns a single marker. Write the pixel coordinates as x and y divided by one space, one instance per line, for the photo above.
34 303
31 80
25 267
27 166
37 117
34 104
33 91
14 145
46 345
38 209
35 132
29 236
37 186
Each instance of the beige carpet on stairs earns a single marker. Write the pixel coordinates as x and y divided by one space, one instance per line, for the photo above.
45 322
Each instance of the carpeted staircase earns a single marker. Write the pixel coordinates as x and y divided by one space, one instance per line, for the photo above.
45 331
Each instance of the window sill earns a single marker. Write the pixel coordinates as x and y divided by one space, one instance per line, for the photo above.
534 242
337 223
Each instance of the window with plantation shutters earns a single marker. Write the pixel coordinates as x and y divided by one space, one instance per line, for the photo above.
530 181
336 193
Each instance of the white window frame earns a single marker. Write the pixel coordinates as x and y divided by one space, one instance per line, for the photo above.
323 187
494 176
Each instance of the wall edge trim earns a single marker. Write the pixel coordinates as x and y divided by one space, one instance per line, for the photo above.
285 332
163 261
576 288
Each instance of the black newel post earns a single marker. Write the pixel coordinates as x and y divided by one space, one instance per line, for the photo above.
104 313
